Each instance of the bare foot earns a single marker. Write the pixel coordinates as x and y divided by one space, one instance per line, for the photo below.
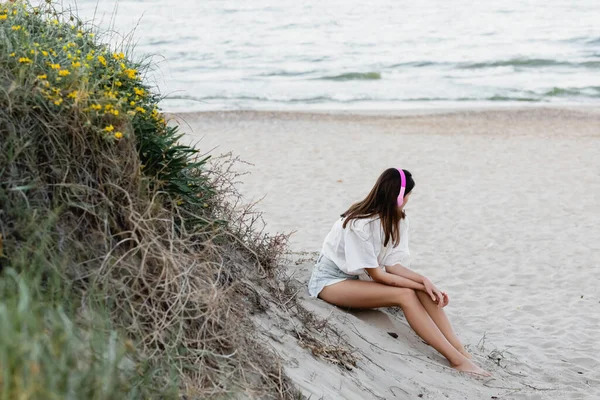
468 367
465 353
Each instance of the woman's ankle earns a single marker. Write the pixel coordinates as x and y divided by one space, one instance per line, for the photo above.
458 360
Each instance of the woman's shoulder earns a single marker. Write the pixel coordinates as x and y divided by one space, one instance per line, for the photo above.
366 228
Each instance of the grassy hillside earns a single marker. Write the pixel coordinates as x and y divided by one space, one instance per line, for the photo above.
124 269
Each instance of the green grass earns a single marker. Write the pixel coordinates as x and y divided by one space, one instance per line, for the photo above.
46 354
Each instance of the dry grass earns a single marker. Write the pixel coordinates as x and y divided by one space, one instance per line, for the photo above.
142 228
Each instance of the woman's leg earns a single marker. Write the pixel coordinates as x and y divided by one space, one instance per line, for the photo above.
365 294
441 320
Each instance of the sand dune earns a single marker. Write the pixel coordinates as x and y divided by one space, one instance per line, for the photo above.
505 217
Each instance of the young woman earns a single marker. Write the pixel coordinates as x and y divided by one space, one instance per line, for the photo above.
372 237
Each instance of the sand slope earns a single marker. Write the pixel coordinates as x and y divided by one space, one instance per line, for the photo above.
504 217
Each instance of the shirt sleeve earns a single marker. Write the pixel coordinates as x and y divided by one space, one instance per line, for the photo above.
396 256
400 253
359 249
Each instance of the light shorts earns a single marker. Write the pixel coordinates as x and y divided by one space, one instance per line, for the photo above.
325 273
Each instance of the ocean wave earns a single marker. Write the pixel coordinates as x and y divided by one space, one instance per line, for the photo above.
530 63
268 99
589 91
593 40
286 73
590 64
333 99
354 76
508 98
419 64
528 96
515 62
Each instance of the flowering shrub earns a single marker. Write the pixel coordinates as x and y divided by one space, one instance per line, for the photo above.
68 72
125 271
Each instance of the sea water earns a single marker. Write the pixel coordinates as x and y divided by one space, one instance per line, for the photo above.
354 55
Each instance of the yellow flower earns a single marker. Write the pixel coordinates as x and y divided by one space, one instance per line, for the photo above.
114 112
109 128
64 72
132 103
3 17
25 60
43 76
118 83
118 56
76 64
131 73
139 92
54 21
58 102
71 44
12 54
96 107
118 135
16 27
73 94
102 60
79 35
44 53
54 66
140 109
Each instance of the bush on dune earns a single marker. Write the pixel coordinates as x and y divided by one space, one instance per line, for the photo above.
121 256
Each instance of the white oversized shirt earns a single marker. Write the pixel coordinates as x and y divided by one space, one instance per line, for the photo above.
360 245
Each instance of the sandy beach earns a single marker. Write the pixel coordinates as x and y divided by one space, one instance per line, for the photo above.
504 217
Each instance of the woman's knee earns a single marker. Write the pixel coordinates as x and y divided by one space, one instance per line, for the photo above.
406 296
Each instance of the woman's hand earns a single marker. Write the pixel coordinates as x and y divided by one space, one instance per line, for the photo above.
445 299
437 296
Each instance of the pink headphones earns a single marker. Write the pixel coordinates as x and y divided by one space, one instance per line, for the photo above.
402 187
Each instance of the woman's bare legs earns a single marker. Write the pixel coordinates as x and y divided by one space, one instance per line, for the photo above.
438 316
365 294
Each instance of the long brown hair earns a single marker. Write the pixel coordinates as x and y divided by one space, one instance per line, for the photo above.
382 201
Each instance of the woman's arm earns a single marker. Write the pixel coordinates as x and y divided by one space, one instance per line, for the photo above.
436 295
400 270
381 276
